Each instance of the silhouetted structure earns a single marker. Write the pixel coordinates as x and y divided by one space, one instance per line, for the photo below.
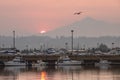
14 39
72 40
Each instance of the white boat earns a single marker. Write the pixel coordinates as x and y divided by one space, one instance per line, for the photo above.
67 61
17 61
39 63
103 62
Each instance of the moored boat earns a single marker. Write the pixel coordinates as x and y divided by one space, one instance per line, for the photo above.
67 61
17 61
103 62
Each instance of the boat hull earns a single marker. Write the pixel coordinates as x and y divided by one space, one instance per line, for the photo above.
68 63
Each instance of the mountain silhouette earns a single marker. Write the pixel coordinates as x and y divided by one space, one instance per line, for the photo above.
87 27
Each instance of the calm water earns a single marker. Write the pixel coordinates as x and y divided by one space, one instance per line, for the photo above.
60 73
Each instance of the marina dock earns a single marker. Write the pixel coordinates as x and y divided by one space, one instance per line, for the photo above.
51 59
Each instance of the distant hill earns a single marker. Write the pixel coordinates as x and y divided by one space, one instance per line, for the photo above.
87 27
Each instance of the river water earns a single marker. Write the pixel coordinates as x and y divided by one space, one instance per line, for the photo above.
60 73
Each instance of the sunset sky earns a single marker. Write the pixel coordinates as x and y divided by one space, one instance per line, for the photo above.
29 17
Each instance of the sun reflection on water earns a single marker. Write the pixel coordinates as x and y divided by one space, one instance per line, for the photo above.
43 75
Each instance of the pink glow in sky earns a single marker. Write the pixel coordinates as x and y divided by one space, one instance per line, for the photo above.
29 17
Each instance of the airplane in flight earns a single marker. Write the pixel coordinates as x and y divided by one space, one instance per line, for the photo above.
77 13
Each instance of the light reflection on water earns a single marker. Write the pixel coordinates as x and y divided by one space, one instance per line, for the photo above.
60 73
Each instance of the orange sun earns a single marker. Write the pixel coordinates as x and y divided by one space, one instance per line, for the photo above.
42 31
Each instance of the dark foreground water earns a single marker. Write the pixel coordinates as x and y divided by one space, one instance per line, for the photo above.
60 73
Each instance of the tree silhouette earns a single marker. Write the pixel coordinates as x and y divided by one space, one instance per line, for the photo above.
102 47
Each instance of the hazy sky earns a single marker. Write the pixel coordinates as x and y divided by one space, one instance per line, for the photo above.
29 17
